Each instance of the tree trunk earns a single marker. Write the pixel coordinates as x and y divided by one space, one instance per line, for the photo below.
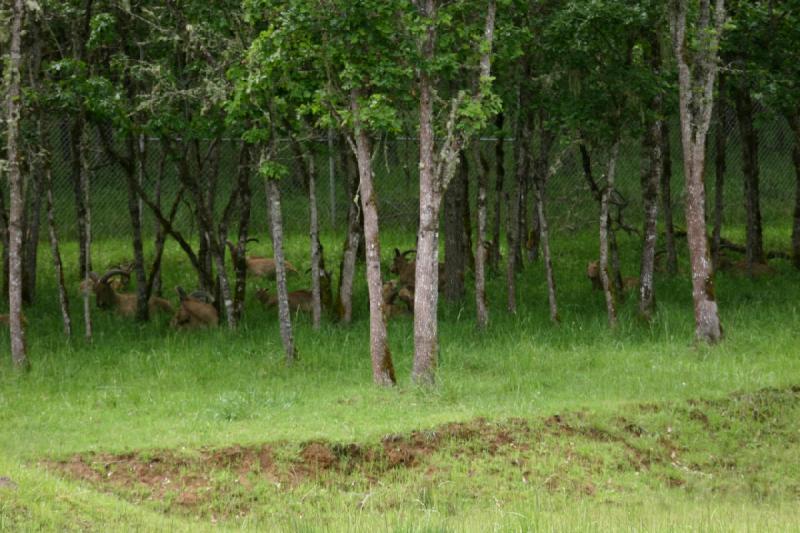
608 286
142 307
454 238
347 270
696 84
245 201
666 200
85 220
382 367
482 311
720 164
16 200
755 241
540 194
651 177
500 171
276 225
316 304
63 298
31 239
794 122
512 262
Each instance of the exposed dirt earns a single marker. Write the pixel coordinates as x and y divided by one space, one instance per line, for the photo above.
188 482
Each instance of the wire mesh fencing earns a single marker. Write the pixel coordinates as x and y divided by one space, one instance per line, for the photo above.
570 208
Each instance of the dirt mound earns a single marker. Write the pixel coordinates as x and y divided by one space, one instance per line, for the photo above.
561 453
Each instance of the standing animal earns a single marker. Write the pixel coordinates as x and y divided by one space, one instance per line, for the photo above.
194 311
406 270
301 300
123 303
260 267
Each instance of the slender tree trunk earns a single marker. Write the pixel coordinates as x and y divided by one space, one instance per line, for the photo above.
696 83
515 205
276 225
500 171
245 201
142 307
31 239
316 304
16 200
666 200
540 187
155 284
63 298
347 270
482 311
454 240
469 254
794 122
382 367
755 240
608 286
85 220
720 164
651 177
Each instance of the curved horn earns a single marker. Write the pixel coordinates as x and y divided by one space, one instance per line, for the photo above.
251 239
113 272
411 251
181 293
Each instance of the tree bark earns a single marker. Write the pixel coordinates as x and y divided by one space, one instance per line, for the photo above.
16 200
85 220
755 241
541 177
382 367
316 303
512 261
245 202
31 232
63 298
500 171
720 164
651 177
794 122
454 238
482 311
666 200
609 289
696 84
142 299
347 269
276 225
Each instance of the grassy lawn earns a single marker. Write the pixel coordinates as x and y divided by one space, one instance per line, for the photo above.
530 426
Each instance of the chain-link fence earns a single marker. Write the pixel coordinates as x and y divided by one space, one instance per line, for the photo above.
571 206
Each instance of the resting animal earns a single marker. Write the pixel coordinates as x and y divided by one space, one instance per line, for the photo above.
194 311
260 267
301 300
407 270
123 303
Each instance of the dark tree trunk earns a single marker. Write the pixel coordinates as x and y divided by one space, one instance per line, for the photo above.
755 240
16 200
316 303
512 262
651 176
142 307
245 202
276 226
455 253
77 171
482 311
347 270
465 202
541 176
31 239
63 298
666 200
794 121
500 171
85 221
720 164
382 367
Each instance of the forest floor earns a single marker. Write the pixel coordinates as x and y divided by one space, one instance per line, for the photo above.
530 426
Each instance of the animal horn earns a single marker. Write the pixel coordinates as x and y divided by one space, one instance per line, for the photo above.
181 293
113 272
411 251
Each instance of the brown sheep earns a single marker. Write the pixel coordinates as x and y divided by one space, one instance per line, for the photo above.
123 303
406 270
301 300
397 299
260 267
593 273
194 311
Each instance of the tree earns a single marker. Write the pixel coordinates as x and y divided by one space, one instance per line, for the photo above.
16 214
438 170
697 70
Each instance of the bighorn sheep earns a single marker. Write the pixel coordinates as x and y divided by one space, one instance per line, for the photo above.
406 270
194 311
123 303
300 300
261 267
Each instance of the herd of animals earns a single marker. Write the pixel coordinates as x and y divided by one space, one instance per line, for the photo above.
197 309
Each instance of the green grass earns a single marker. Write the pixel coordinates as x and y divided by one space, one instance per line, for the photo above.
144 388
